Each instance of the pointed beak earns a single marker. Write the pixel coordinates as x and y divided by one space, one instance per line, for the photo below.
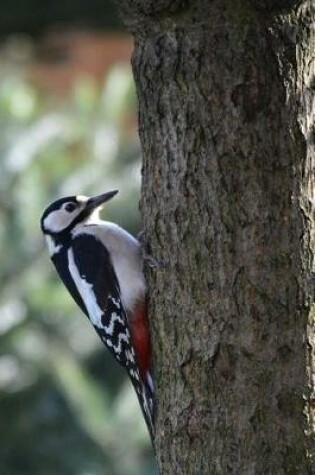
97 201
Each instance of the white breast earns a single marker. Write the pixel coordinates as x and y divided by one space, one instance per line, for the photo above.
126 256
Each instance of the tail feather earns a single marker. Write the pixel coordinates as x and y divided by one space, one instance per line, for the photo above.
147 403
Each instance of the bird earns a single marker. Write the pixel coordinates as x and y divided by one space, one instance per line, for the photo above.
101 265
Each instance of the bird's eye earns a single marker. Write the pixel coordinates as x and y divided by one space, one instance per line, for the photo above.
70 207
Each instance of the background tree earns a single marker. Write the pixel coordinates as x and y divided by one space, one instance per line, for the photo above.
226 120
64 404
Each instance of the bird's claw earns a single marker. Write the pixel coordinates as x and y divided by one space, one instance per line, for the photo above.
154 263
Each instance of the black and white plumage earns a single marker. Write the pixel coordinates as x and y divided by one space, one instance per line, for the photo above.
101 266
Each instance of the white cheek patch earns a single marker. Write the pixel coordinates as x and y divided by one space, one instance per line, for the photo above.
58 220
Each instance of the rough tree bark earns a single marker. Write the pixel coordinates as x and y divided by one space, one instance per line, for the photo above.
226 120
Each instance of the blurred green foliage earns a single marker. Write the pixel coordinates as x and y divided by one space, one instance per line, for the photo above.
66 407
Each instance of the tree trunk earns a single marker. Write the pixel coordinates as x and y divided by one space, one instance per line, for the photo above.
226 96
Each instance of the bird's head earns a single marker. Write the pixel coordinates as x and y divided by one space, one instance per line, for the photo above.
64 214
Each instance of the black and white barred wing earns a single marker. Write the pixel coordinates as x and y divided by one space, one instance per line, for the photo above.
96 282
92 271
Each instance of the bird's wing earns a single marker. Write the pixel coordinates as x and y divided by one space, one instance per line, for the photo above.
96 282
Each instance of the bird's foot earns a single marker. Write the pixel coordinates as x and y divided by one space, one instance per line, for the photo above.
152 261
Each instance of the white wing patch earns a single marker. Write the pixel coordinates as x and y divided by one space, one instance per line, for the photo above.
86 291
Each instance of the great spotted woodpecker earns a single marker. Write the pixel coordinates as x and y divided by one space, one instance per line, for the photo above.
101 265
